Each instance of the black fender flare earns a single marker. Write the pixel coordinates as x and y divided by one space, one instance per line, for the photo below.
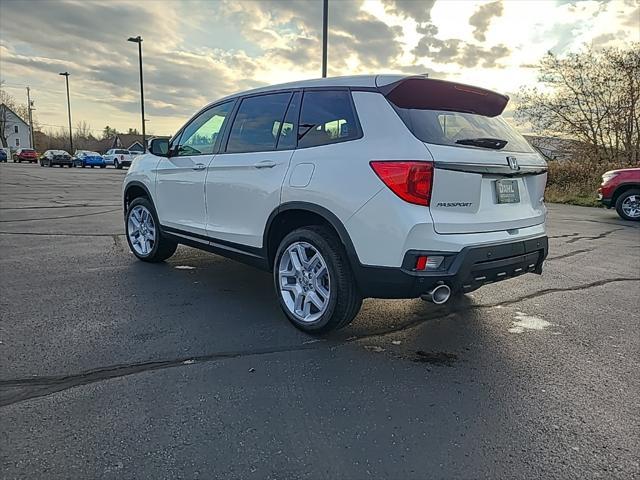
323 212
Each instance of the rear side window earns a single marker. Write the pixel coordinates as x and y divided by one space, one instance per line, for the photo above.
122 152
258 123
327 116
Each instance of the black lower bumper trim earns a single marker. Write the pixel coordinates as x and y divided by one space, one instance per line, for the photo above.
465 271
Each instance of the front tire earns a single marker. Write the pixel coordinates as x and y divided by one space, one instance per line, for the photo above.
628 205
144 236
314 282
116 164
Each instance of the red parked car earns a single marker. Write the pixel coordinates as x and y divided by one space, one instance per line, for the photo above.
25 154
621 189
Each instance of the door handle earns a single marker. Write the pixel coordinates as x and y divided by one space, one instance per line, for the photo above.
265 164
200 166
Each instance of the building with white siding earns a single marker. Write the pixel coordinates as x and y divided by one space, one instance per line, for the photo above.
14 130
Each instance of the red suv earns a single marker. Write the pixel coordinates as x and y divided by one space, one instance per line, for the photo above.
621 189
25 154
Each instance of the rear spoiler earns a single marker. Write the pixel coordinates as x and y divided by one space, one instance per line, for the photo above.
429 94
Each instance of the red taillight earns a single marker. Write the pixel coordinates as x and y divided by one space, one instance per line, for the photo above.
421 263
410 180
121 157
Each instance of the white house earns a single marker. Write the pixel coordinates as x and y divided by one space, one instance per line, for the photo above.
15 130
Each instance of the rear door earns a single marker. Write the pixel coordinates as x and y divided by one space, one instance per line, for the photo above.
486 176
245 179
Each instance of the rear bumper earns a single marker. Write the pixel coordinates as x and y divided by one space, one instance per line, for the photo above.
61 161
464 271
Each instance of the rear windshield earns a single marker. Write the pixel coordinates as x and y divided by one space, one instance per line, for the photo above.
450 113
460 129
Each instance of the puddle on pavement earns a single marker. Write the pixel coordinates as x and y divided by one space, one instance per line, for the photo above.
524 322
435 358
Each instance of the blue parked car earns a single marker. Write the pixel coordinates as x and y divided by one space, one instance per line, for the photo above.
86 158
3 155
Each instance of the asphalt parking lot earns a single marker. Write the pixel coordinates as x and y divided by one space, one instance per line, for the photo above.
113 368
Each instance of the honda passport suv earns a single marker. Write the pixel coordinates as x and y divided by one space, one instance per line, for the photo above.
347 188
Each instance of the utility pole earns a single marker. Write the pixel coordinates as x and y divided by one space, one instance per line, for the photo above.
325 14
29 105
138 40
66 76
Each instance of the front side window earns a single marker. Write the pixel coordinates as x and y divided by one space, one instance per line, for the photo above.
202 135
326 117
258 123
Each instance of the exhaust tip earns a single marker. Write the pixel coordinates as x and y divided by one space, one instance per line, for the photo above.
438 295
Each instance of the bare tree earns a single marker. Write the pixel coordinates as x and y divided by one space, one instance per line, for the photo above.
592 96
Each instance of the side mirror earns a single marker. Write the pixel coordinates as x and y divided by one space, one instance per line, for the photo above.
159 147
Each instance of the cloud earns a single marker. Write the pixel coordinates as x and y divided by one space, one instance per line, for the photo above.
482 17
456 51
418 10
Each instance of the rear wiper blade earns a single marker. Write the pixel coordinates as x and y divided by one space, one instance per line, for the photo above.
494 143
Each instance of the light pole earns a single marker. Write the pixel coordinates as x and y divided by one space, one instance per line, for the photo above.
66 76
325 28
138 40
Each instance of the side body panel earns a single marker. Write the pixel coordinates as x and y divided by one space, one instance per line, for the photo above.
338 176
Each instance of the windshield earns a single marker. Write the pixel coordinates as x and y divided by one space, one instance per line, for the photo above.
460 129
91 154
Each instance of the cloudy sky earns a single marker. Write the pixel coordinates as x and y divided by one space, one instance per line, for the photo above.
197 51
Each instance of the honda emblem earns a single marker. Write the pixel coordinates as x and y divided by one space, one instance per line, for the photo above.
513 163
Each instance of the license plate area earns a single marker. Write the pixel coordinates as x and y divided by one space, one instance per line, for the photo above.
507 191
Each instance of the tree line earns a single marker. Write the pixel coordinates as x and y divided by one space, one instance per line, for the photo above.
592 96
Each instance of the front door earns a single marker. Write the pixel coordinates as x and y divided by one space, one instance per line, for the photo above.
245 179
180 201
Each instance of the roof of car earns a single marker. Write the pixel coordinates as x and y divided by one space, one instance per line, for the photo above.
362 81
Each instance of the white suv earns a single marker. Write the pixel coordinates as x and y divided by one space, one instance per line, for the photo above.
346 188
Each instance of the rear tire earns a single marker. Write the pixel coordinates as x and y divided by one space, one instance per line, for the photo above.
159 247
344 299
116 164
628 205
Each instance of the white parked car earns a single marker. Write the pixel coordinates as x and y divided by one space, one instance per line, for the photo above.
118 157
347 188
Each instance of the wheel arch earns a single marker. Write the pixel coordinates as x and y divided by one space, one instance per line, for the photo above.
292 215
620 189
133 190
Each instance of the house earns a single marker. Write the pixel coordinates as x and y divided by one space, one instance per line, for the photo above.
14 131
125 141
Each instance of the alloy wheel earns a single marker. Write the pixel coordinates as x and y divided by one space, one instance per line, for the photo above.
631 206
304 281
141 230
